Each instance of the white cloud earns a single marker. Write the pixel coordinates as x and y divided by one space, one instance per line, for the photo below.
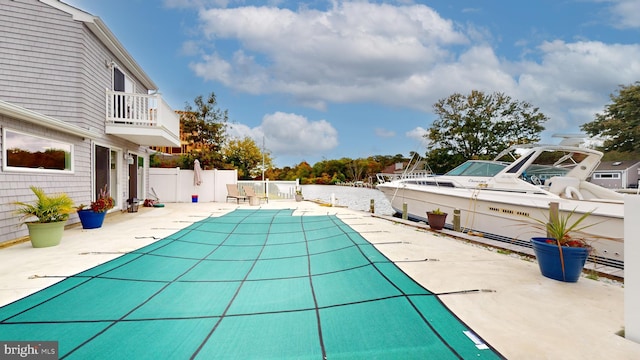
241 73
407 57
573 80
197 4
240 131
289 134
626 13
380 132
418 134
213 67
190 48
336 55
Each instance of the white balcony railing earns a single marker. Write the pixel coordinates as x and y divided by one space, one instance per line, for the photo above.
139 111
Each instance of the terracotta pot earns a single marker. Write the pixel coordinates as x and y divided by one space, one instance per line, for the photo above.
436 221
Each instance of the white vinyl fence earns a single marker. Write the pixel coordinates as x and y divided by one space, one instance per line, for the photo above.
177 185
273 189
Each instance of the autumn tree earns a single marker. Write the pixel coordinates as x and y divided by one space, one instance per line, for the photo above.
244 155
286 173
479 126
329 171
303 171
355 169
204 128
619 125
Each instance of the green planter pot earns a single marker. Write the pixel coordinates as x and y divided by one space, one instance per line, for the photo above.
45 234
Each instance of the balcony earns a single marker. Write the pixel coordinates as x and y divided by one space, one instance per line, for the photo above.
143 119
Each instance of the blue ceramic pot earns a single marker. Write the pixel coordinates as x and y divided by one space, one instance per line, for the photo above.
549 260
90 219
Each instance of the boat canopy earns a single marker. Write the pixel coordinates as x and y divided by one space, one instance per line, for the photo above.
478 168
533 164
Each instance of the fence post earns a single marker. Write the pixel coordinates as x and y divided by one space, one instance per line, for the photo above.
631 268
177 184
215 185
456 220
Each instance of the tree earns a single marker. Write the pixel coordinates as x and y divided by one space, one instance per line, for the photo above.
480 126
303 171
620 123
355 169
204 129
246 156
330 171
441 160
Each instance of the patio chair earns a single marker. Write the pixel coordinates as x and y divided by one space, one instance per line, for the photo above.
251 192
232 193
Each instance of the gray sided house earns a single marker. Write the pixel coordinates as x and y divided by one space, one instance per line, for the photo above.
76 110
617 174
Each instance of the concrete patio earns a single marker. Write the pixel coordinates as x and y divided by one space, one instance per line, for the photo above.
502 297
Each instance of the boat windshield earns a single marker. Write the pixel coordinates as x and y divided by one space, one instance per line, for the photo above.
478 168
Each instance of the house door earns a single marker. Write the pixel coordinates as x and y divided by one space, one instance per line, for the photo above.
118 100
140 175
114 184
102 169
121 83
133 176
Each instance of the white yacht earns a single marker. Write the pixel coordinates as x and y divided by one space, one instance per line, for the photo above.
499 199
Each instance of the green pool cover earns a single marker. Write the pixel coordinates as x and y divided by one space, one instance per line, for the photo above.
252 284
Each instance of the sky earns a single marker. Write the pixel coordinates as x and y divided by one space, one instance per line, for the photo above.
316 80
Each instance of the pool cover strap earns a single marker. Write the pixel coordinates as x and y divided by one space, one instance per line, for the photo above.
260 284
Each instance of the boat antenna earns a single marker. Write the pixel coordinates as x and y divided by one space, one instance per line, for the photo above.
408 169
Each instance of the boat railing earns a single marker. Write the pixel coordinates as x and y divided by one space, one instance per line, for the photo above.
388 177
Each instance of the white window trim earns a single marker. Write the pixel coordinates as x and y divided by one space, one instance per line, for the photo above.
614 176
128 80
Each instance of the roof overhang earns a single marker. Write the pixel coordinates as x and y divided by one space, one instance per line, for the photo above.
20 113
102 32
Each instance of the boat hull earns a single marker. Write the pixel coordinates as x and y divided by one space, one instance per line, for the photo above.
509 216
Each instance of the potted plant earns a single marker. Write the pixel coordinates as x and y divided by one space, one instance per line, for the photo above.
299 195
436 219
52 213
561 254
93 217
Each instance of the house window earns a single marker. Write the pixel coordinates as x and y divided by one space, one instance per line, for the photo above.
607 176
121 102
121 82
26 152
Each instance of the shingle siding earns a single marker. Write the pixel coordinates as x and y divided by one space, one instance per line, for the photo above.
46 52
54 65
41 50
14 186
